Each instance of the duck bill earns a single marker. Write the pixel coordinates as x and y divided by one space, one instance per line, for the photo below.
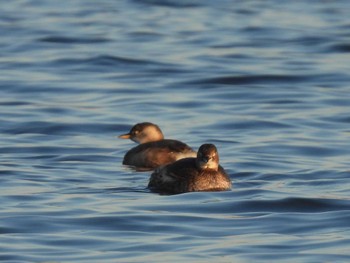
124 136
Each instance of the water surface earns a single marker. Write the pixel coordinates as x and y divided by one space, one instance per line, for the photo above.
266 82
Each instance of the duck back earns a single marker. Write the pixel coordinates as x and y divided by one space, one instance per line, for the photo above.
184 176
157 153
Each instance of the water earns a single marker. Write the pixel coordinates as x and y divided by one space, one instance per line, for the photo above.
266 82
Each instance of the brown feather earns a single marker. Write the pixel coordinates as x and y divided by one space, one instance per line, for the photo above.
154 154
184 176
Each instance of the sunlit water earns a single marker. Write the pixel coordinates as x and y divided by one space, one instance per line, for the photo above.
266 81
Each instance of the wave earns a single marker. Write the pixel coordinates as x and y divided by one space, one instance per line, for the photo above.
72 40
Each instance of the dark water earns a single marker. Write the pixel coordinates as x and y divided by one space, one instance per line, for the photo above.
267 81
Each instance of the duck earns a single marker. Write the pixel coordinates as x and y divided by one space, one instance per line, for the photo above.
153 150
194 174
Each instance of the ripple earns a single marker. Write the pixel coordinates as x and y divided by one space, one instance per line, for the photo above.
254 124
172 3
295 204
274 98
72 40
341 48
54 128
107 60
311 40
308 150
254 79
290 205
46 150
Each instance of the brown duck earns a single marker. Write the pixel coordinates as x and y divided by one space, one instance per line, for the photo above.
153 150
202 173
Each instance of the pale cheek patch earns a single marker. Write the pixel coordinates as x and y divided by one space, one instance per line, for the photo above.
212 165
209 165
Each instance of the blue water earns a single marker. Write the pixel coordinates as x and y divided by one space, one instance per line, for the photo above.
268 82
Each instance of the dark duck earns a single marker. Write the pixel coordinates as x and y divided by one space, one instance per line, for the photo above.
202 173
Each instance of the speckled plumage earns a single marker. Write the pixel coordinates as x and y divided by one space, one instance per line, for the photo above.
202 173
